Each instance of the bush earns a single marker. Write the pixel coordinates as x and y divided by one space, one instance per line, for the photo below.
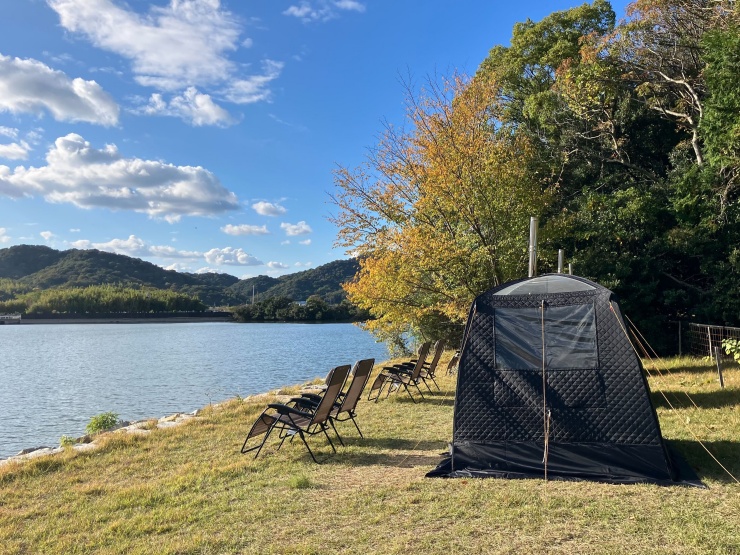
66 441
732 347
101 422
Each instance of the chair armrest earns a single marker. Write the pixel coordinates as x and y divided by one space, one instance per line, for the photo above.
285 409
304 402
392 370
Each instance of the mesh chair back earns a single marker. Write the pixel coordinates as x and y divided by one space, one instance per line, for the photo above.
333 387
423 352
359 379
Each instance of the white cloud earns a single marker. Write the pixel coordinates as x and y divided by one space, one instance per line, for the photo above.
277 265
137 247
286 242
177 267
322 10
301 228
4 237
207 270
32 87
254 88
306 242
133 246
10 132
184 44
350 5
194 107
166 251
74 230
79 174
303 264
245 229
181 44
46 235
268 209
15 151
231 257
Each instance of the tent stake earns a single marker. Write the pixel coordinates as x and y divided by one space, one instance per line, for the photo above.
718 358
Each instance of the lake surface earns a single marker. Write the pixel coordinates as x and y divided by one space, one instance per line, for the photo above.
54 378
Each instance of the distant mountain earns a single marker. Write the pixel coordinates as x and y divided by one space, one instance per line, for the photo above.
324 280
41 267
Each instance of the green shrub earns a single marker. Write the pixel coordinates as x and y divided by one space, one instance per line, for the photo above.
732 347
101 422
66 441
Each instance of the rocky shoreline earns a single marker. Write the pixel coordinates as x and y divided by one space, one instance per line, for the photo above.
140 427
89 442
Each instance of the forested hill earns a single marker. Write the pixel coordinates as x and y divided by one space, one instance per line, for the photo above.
40 267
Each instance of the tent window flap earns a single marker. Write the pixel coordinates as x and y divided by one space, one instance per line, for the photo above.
570 337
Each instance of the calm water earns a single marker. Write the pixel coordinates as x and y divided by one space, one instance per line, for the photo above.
53 378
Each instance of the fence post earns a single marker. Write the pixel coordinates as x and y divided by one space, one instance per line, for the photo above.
709 333
718 356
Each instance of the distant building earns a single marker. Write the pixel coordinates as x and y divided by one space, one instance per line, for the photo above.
10 319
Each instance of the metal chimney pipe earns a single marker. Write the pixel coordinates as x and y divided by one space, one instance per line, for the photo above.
533 225
561 259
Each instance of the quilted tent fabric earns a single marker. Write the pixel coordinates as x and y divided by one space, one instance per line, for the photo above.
550 386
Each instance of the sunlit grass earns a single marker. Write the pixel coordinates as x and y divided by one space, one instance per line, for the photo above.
189 490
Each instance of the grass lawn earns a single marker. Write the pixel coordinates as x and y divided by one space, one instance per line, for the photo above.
189 490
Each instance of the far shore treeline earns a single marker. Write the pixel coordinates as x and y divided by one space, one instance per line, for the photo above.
37 280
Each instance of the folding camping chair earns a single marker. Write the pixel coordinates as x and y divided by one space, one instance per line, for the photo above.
344 407
429 369
290 421
398 375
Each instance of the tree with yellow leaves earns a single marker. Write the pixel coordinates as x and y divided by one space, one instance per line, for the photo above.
440 213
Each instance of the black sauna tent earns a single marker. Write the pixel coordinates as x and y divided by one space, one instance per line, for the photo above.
588 418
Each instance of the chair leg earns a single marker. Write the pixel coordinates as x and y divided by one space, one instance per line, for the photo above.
406 387
352 417
307 447
426 384
331 422
324 427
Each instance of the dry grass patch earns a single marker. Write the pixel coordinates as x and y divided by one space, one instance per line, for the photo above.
189 490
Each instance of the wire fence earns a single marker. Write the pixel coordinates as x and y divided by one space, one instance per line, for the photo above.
703 338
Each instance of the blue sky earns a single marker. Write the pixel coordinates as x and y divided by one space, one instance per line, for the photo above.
202 135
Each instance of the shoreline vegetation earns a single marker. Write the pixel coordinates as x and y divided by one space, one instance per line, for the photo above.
187 489
125 318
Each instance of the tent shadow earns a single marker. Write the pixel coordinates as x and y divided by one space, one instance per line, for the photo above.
395 460
726 452
414 453
439 399
721 398
396 444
